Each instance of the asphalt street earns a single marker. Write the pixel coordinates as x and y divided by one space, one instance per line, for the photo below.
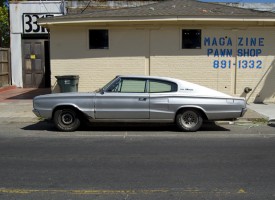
137 162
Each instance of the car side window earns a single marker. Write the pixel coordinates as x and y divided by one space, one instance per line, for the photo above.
129 86
156 86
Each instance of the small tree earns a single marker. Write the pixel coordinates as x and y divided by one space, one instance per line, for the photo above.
4 25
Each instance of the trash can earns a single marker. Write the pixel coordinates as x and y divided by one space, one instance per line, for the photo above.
68 83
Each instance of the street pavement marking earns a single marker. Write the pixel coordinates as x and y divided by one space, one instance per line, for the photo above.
117 192
241 191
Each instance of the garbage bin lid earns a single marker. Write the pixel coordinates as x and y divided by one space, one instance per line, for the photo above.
67 77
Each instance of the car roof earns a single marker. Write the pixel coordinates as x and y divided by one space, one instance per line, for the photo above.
151 77
184 86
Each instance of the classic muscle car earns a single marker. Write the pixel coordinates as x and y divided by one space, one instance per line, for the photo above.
140 99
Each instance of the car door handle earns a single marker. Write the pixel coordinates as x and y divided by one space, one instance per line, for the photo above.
142 99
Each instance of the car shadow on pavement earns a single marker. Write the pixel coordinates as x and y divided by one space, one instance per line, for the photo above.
118 127
40 126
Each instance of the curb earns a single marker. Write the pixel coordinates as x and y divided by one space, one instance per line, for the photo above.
248 121
34 119
237 122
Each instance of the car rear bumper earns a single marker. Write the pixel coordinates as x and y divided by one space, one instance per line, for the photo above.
243 111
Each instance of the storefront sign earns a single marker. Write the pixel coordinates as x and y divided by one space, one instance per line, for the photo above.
248 51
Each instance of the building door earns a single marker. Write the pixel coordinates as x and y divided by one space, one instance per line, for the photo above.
33 63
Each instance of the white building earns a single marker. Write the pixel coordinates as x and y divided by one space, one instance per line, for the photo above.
30 61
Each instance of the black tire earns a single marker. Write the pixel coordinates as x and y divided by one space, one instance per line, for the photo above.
66 120
189 120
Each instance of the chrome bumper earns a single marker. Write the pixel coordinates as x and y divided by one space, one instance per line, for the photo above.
243 111
36 112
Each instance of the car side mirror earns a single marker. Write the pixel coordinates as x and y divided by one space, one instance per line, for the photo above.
102 91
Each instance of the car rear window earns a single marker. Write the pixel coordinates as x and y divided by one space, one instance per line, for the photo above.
157 86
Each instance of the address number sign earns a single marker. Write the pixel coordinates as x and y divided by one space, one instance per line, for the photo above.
30 25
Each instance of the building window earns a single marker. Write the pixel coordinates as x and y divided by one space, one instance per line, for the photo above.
98 39
191 39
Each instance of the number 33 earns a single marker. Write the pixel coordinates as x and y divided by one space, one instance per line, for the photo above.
32 24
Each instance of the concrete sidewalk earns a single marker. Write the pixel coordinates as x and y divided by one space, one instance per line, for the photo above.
267 110
16 106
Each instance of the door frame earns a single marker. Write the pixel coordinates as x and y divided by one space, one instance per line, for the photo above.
45 68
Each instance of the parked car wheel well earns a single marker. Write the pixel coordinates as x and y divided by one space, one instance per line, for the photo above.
192 108
67 107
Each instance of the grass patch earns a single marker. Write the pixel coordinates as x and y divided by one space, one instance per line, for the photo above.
260 121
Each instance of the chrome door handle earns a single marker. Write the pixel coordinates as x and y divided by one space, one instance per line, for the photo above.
142 99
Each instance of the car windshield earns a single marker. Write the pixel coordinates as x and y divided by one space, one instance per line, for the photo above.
106 86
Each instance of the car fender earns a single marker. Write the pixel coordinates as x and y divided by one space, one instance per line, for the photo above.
86 112
185 107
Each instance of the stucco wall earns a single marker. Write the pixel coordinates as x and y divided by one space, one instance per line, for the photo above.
157 51
70 54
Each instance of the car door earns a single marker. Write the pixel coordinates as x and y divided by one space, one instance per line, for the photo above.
160 94
126 98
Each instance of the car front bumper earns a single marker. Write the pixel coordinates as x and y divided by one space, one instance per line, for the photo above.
36 112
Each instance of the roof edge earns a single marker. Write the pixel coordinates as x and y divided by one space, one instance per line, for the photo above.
49 22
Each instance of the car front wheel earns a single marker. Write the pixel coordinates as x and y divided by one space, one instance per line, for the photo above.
189 120
66 120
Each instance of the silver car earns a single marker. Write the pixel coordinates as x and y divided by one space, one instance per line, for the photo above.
140 99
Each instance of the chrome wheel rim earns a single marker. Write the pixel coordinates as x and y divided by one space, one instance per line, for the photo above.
189 119
67 118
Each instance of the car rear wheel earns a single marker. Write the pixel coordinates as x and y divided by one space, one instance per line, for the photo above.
66 120
189 120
